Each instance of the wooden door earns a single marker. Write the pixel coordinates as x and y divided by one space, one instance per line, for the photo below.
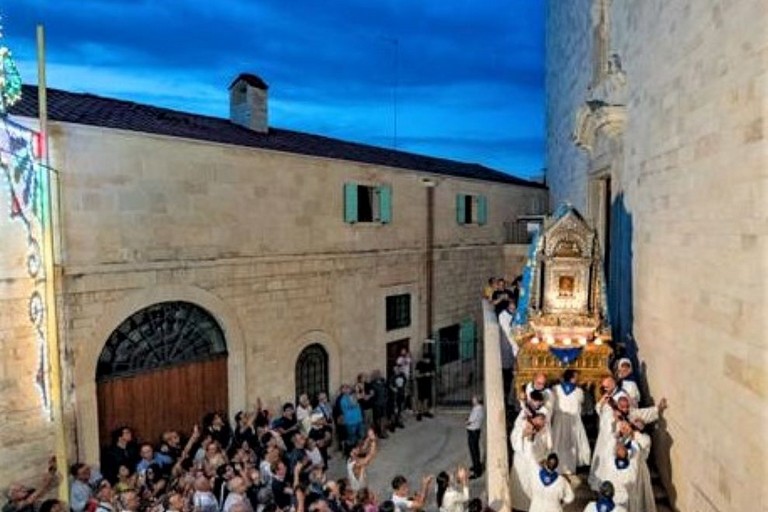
154 401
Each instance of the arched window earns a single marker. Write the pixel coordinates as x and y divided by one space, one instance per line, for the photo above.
312 371
159 336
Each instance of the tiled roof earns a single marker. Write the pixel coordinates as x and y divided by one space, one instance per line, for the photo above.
89 109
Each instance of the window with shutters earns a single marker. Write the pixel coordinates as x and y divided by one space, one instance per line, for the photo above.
367 203
398 311
471 209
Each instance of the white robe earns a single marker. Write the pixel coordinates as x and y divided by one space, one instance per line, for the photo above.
632 390
527 454
605 446
546 432
646 414
549 498
645 499
549 397
569 438
624 483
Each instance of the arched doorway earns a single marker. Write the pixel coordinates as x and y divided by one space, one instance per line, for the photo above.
162 368
312 371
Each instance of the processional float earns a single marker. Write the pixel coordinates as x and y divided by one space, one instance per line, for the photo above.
562 316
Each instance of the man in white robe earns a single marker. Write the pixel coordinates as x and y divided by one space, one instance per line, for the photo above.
539 383
509 349
530 447
606 434
622 472
614 406
604 501
569 438
645 498
533 405
625 411
626 382
549 490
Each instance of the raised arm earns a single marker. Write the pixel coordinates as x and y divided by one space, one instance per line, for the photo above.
50 479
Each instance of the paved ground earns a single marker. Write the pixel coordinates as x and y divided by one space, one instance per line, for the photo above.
428 447
422 447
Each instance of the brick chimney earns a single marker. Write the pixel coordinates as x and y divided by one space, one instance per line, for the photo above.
248 102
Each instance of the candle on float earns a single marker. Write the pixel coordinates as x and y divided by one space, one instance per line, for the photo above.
535 340
598 341
567 341
550 340
582 341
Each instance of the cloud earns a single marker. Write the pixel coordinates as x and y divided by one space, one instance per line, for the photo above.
459 69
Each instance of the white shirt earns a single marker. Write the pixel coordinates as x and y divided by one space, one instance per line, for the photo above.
476 417
454 500
402 504
404 362
355 483
233 499
505 322
80 493
205 501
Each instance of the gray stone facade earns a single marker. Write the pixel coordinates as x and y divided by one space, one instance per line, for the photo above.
686 159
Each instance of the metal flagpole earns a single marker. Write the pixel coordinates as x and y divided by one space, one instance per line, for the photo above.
50 198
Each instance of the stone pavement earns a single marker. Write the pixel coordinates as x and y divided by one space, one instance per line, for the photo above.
428 447
421 448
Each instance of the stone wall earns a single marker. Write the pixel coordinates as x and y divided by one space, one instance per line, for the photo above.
568 76
496 449
695 185
26 433
258 239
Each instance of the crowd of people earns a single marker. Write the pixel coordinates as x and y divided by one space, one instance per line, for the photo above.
265 462
550 442
279 462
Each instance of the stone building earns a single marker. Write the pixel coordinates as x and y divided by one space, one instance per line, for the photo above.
656 119
207 262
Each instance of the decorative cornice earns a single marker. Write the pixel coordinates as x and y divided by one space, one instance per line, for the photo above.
594 120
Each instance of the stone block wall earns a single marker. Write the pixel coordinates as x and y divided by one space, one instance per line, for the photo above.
258 239
568 76
26 433
695 185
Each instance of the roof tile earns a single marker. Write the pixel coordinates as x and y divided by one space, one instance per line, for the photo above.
89 109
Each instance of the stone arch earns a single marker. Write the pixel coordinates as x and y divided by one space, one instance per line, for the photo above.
114 314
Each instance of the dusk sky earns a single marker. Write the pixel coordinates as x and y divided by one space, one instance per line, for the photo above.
469 74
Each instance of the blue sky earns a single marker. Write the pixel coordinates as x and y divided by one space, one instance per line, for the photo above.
469 74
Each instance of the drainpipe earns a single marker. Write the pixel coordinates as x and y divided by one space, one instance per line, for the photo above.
429 251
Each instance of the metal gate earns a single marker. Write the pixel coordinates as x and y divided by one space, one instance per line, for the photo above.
458 358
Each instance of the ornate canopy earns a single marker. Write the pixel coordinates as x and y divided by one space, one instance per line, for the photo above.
563 285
